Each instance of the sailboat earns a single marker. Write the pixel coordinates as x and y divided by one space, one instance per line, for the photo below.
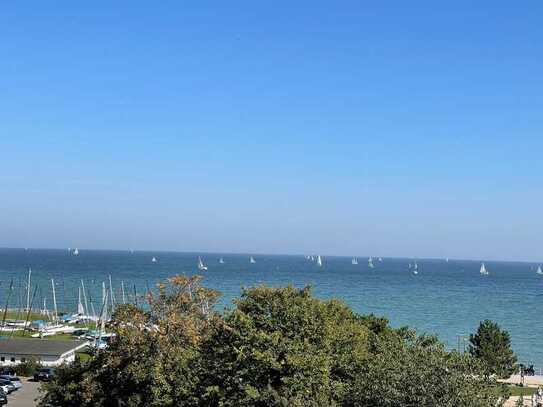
416 269
483 270
221 261
370 263
252 260
201 265
153 260
539 271
319 261
380 260
76 252
354 261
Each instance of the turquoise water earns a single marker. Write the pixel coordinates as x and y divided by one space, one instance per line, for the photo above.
448 299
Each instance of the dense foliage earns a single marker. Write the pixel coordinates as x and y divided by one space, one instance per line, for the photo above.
277 347
493 346
27 368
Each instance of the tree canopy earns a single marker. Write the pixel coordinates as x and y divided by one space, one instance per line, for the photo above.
492 345
276 347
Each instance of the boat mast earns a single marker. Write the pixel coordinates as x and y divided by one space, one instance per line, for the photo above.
111 295
85 298
54 300
122 292
28 289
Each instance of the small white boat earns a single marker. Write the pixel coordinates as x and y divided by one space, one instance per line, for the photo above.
201 265
416 269
380 260
370 263
483 271
354 261
539 271
252 260
319 261
153 260
221 261
76 252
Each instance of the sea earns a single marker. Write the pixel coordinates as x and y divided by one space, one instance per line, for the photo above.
446 298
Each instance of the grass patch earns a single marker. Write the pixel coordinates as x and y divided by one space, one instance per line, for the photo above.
21 315
521 391
83 356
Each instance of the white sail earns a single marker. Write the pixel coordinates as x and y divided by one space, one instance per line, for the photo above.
221 261
154 260
319 261
380 260
370 263
76 252
80 308
539 271
483 270
416 269
201 265
354 261
252 260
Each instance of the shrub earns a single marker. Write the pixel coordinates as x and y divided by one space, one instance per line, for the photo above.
27 368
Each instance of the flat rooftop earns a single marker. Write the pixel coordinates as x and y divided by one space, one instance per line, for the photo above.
44 347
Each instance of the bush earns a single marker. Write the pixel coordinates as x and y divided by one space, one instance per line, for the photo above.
27 368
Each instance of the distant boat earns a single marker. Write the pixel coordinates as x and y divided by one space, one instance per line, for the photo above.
153 260
312 258
221 261
370 263
416 269
201 265
447 259
539 271
319 261
354 261
483 270
252 260
76 252
380 260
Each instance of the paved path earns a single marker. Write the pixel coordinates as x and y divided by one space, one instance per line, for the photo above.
25 397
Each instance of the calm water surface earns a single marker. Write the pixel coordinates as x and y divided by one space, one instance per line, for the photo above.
445 298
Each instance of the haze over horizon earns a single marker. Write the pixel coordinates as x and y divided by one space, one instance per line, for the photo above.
338 129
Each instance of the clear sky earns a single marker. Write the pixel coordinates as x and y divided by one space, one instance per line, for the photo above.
341 127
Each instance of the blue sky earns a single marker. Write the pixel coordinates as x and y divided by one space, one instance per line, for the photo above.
382 128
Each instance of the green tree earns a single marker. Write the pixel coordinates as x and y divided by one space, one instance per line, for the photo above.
276 347
492 345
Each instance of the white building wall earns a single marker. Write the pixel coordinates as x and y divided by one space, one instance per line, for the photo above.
47 361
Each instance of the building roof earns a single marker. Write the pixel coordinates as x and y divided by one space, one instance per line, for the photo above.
37 347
